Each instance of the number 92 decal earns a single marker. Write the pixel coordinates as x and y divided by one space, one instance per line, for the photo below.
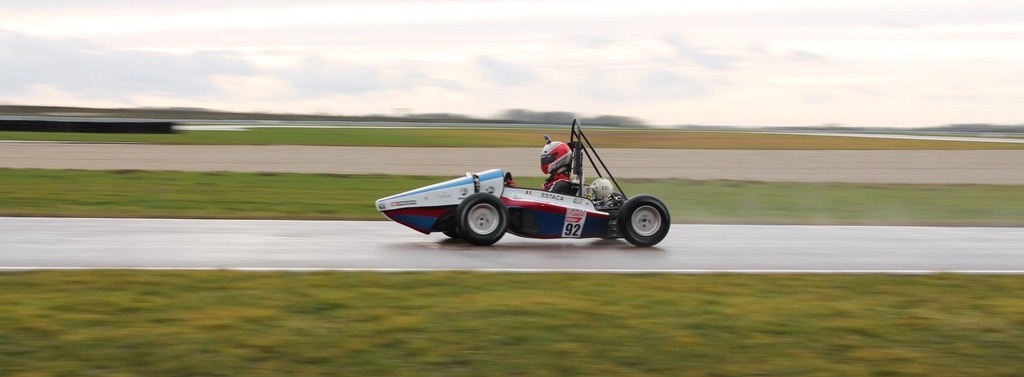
574 219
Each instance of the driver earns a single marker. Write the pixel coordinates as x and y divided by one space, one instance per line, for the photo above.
555 160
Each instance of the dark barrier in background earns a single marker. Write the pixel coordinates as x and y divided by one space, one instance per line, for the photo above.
130 127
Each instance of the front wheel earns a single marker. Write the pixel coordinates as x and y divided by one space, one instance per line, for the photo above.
481 219
644 220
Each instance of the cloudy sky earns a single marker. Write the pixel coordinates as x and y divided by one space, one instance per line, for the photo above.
743 62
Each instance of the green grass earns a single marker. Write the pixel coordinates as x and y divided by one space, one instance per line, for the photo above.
133 323
837 203
30 192
647 138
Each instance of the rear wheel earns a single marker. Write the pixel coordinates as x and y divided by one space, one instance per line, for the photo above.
644 220
481 219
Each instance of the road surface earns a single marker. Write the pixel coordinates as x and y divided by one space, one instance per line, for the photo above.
71 243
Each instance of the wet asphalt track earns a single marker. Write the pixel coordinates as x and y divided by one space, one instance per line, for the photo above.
72 243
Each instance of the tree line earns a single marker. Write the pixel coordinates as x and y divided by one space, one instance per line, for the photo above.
507 116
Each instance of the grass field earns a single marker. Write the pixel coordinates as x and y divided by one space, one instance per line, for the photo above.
648 138
83 193
132 323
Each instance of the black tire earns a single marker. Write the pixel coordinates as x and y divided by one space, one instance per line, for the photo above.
481 219
453 234
644 220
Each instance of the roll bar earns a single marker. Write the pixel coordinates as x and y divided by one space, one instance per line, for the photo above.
576 141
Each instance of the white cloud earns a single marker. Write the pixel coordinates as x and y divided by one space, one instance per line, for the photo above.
80 67
731 61
504 73
704 59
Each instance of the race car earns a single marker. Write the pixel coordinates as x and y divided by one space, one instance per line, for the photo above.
481 207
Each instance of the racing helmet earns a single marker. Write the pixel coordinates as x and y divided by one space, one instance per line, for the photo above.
554 155
602 188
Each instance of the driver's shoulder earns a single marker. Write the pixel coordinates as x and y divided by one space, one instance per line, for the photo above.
563 187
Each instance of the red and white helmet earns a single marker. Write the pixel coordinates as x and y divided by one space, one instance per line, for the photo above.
555 155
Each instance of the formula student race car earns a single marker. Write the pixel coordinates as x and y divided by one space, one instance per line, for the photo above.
481 207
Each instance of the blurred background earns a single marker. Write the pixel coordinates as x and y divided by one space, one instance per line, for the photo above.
876 137
908 63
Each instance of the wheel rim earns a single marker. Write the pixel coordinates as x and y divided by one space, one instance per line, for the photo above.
646 221
483 219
